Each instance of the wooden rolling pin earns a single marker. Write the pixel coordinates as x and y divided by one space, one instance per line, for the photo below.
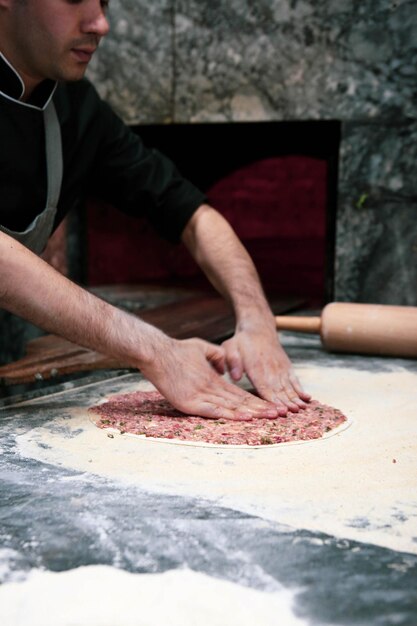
362 328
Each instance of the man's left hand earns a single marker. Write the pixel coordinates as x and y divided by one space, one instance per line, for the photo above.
257 352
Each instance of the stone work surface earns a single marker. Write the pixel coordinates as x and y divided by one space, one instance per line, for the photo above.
189 61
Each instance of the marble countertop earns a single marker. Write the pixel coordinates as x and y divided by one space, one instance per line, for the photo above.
55 516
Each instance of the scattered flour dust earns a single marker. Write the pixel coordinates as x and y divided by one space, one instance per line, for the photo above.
100 595
359 484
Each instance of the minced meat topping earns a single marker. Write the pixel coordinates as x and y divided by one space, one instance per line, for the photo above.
148 414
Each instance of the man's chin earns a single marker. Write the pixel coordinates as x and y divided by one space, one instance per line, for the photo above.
72 74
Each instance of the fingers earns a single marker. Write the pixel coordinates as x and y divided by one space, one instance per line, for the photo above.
233 361
220 399
279 397
294 392
268 368
216 356
276 382
215 410
298 388
283 393
188 377
231 402
270 371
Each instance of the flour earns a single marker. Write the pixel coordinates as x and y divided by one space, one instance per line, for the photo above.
99 595
346 486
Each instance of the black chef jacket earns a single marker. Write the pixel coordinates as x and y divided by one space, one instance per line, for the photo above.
101 155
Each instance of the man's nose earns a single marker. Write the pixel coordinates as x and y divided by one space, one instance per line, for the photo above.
96 22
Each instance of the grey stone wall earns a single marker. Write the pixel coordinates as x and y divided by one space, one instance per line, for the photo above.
351 60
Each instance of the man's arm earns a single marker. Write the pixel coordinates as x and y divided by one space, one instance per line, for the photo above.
185 372
255 348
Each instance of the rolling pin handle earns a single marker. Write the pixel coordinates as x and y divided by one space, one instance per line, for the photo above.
299 324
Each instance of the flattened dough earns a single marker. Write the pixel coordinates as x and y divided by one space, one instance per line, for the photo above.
148 414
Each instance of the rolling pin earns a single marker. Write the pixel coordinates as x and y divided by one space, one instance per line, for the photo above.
378 329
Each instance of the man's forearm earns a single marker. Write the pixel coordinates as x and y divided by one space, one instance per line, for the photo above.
185 372
32 289
254 349
226 263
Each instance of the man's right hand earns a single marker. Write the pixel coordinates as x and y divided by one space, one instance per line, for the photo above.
188 374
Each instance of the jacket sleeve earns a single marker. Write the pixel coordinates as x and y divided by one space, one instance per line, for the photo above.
139 180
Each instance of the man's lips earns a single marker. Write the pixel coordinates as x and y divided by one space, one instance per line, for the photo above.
83 54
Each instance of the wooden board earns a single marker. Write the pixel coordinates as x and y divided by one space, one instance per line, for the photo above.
205 316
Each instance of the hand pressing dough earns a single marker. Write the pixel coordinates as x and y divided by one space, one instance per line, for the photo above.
148 414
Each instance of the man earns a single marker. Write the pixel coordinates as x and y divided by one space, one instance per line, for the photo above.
45 48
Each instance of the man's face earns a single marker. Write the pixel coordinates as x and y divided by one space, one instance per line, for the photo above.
54 38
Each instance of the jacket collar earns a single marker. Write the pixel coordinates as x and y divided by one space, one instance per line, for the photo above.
12 87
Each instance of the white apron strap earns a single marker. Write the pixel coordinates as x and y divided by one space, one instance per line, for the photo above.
53 145
36 235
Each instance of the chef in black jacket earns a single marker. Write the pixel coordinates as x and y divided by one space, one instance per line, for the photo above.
60 141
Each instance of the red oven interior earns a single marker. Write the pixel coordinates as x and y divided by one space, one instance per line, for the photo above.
275 183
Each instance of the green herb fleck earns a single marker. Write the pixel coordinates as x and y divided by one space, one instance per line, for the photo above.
361 202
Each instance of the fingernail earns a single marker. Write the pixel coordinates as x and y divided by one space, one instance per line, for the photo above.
246 416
